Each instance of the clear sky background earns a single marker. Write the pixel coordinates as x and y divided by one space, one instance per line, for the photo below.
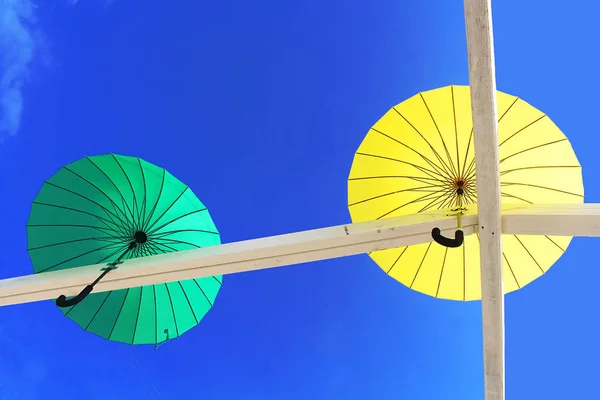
259 106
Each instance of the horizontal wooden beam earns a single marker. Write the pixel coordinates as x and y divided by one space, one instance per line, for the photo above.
294 248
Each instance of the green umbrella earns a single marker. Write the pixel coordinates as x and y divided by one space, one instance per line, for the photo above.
110 208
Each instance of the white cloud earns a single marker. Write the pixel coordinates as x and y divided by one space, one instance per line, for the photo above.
17 47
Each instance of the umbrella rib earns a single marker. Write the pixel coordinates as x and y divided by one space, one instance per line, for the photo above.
152 250
504 194
443 164
522 129
397 259
452 167
142 216
166 246
98 310
80 255
155 315
154 247
532 148
174 219
471 198
505 140
420 265
172 310
441 273
110 230
203 293
464 263
509 267
530 255
135 204
443 198
175 241
418 179
168 208
511 270
455 130
189 302
556 244
423 198
472 164
216 279
122 221
119 314
105 221
446 203
67 226
167 233
538 167
417 189
465 171
108 212
73 241
137 318
541 187
441 172
151 214
432 174
116 187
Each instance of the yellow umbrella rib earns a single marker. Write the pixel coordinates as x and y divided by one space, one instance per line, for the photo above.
429 172
538 167
441 202
522 129
530 255
464 263
397 259
472 174
437 155
470 170
441 273
532 148
556 244
420 265
417 200
428 189
512 196
540 187
440 172
451 164
455 131
510 269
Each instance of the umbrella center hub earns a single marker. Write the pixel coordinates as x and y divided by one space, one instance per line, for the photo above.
140 237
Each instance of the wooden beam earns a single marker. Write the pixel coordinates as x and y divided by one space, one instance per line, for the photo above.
275 251
482 78
553 219
296 248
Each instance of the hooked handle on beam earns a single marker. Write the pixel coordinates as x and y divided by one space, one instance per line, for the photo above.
63 302
459 238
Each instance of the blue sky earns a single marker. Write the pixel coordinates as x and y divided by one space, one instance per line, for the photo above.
259 106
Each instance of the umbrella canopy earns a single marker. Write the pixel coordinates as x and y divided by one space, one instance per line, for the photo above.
419 156
110 208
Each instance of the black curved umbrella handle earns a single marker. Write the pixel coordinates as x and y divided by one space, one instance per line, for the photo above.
63 302
459 238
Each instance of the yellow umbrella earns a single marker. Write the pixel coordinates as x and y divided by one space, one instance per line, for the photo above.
419 156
